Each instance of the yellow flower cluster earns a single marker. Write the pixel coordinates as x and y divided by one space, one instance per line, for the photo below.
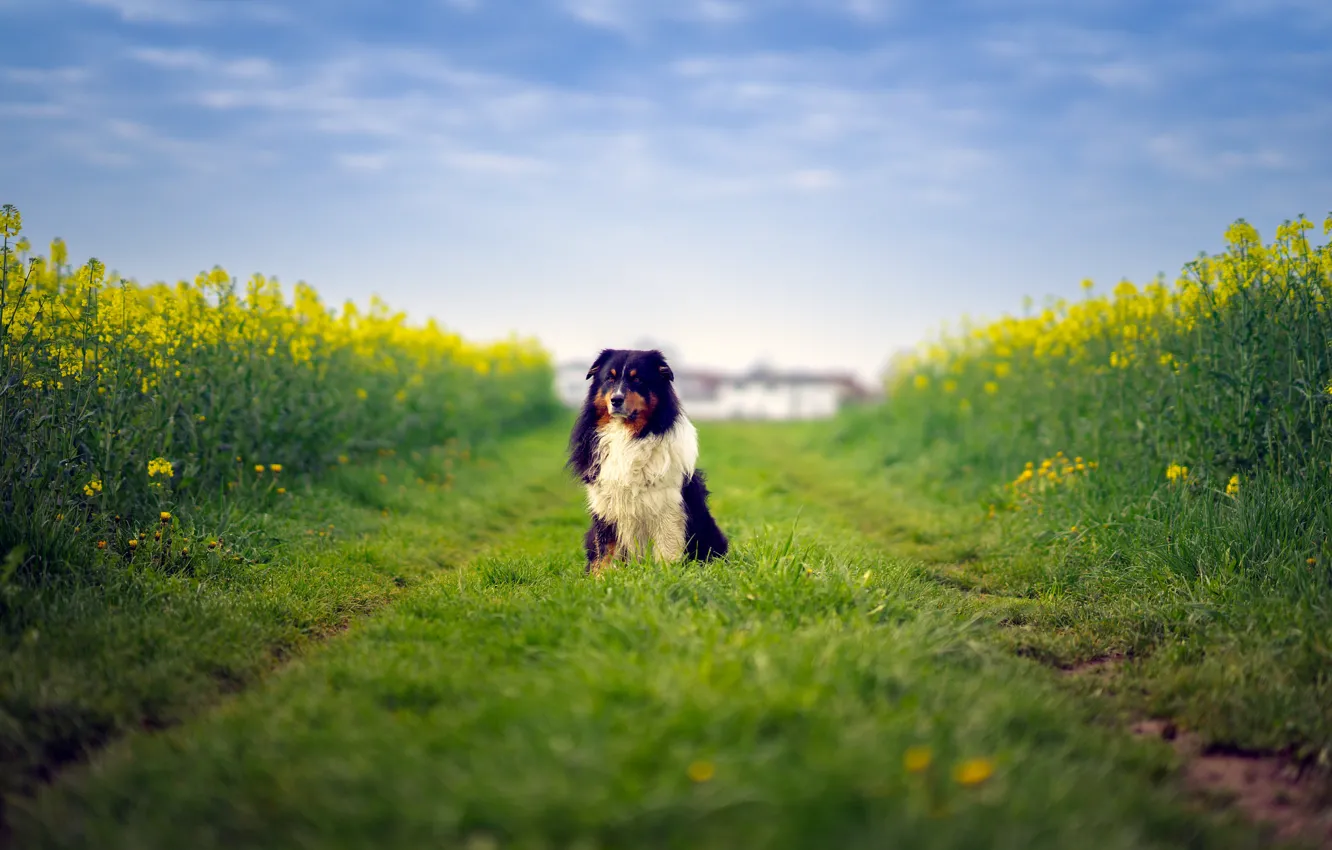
1233 485
1176 473
970 772
1052 472
1115 331
164 323
122 376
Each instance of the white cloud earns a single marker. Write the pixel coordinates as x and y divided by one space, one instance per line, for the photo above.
869 10
1125 74
174 59
1184 153
191 12
610 14
490 162
364 162
61 76
190 59
633 18
814 179
33 110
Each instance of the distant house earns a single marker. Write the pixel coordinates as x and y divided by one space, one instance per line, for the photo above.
758 394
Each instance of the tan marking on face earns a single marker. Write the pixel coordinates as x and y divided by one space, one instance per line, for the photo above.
602 405
638 409
633 373
615 373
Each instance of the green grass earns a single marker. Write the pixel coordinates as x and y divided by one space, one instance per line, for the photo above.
505 699
1201 543
91 657
1222 606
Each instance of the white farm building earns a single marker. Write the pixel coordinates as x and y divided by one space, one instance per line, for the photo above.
759 394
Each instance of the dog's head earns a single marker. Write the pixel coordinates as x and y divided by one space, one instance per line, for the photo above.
630 385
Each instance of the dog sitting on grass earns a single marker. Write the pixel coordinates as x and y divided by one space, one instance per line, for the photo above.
635 451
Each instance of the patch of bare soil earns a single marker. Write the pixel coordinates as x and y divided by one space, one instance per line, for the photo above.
1268 788
1104 665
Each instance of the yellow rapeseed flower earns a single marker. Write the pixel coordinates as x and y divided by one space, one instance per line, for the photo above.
1175 472
922 382
92 488
991 387
973 771
160 466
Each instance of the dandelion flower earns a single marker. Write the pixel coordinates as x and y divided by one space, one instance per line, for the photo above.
917 759
259 468
101 544
701 771
134 544
281 490
1175 472
973 771
1232 486
165 516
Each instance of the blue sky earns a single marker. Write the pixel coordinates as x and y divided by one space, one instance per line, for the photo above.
810 184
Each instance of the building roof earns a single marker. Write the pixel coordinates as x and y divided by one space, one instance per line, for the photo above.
702 382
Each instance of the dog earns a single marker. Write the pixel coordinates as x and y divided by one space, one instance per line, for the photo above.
636 452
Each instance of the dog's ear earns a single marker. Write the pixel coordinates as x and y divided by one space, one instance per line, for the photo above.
662 365
600 361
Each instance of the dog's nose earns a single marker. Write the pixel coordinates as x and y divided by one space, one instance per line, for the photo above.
617 400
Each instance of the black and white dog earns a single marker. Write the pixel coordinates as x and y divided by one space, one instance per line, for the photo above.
635 450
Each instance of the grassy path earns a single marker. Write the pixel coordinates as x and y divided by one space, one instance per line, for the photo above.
771 700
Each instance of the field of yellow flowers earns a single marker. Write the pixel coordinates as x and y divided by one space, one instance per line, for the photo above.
1155 464
122 403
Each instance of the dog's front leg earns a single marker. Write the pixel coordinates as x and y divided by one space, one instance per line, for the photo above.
601 544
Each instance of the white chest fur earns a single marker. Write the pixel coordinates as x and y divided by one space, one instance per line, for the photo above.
638 486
